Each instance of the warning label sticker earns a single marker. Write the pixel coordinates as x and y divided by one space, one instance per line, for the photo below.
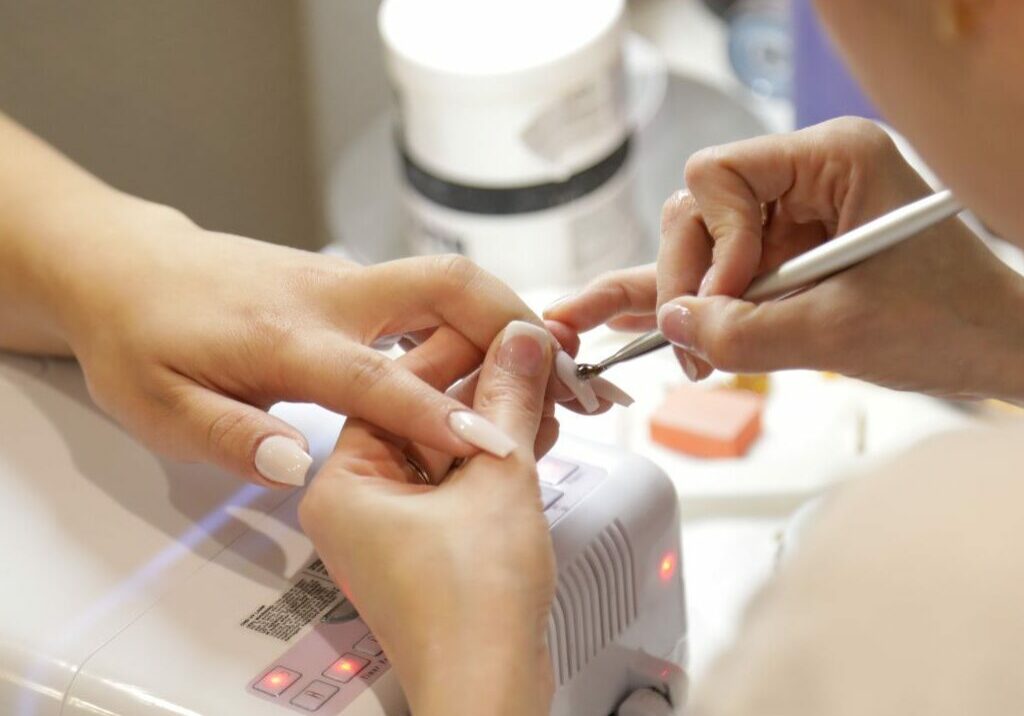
295 609
318 568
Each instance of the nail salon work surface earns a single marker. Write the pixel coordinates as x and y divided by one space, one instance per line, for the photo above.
135 586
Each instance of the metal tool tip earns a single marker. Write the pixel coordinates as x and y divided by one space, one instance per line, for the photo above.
586 371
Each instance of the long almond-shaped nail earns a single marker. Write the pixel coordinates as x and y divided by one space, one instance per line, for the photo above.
280 459
524 349
481 432
565 367
607 390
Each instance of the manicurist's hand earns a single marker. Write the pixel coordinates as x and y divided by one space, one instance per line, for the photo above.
186 336
938 313
454 577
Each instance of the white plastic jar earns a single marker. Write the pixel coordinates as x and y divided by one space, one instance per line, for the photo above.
514 133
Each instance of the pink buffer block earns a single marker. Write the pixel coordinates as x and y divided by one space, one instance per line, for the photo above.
720 422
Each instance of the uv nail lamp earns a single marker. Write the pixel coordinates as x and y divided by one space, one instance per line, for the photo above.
136 587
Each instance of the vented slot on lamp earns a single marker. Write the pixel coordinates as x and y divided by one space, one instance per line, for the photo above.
606 583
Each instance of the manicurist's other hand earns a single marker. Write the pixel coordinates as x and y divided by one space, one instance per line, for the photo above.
938 313
454 577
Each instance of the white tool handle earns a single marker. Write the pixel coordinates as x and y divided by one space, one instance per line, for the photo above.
854 246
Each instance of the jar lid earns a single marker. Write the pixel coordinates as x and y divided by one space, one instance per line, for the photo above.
452 42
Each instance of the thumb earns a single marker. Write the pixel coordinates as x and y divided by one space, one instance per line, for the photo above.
743 337
242 439
513 381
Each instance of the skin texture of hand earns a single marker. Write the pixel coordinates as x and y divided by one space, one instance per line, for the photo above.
463 603
937 314
187 336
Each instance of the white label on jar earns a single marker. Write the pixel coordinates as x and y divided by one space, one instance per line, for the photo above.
581 128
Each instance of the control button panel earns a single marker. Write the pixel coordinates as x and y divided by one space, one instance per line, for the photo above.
326 668
336 651
315 695
276 681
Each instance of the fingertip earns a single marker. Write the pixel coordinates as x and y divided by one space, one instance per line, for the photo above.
567 338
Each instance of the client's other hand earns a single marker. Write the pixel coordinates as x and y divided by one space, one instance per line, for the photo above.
454 577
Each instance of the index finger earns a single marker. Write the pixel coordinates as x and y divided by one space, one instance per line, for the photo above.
452 290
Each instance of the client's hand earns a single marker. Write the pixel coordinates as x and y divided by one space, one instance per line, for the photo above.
186 336
215 328
938 313
456 577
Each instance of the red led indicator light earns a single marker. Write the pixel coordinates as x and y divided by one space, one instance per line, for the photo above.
667 566
277 681
346 667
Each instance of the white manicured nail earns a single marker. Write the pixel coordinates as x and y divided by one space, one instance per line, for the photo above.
565 367
610 392
280 459
477 430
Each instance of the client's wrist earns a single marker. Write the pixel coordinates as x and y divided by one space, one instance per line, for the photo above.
504 673
104 254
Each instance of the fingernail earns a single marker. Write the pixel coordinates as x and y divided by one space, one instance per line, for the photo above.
523 349
676 323
705 284
565 367
689 367
609 391
280 459
477 430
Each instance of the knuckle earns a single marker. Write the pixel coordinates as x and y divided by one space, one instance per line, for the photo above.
231 428
865 137
703 164
366 371
275 342
457 272
505 394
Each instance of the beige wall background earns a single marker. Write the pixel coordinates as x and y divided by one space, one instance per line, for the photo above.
231 110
